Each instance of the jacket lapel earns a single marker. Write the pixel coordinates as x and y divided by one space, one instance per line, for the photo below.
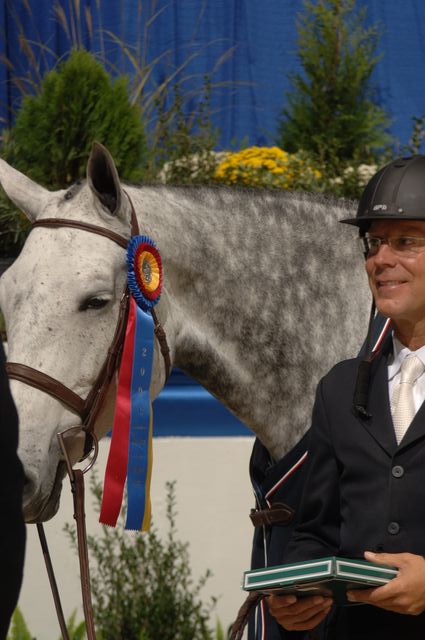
380 424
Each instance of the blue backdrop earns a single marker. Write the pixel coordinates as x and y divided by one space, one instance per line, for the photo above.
247 47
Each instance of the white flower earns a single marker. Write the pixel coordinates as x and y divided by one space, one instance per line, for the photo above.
366 171
192 163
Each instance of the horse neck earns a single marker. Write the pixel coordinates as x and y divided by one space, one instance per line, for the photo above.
246 277
214 278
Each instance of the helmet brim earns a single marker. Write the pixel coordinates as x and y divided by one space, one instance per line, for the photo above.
367 220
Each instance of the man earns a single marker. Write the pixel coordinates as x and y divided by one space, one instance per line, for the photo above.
365 493
12 530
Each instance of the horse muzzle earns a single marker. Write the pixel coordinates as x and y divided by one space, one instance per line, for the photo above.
41 502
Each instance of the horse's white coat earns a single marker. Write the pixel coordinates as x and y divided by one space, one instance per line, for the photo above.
257 302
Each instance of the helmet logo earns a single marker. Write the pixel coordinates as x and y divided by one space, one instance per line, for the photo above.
379 207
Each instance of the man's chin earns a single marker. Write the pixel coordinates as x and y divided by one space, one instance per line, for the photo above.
389 305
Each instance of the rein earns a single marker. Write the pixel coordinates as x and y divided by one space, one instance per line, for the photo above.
88 410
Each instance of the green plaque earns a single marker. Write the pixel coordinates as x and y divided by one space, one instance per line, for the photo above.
325 576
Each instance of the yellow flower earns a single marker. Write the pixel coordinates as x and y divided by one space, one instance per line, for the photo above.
265 167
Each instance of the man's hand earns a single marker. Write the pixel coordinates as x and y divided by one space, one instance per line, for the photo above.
403 594
299 614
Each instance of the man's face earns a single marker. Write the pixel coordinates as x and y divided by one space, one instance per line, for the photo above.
397 281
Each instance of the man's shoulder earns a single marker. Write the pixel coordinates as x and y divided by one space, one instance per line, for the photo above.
344 367
342 376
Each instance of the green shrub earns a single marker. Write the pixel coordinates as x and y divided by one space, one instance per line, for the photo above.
50 142
18 627
76 104
331 112
142 587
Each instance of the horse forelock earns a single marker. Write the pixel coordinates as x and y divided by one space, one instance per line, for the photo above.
74 189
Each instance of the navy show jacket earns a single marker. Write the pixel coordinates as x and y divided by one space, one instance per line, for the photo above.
363 491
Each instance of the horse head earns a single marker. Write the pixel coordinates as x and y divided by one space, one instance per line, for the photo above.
61 301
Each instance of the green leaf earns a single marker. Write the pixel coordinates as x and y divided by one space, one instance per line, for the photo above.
18 627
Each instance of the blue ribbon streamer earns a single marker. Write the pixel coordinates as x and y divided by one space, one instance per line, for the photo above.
138 455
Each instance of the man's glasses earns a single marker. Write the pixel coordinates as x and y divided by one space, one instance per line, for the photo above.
403 245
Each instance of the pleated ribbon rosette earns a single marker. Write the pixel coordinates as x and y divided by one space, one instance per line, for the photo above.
130 454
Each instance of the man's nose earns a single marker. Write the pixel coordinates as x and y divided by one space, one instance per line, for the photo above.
385 254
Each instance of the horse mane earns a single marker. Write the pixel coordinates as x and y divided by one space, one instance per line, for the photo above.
240 197
222 193
243 199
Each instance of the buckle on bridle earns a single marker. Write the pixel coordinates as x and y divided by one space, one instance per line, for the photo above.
93 451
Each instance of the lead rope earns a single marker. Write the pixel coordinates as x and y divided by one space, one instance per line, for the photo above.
52 580
252 601
80 517
77 487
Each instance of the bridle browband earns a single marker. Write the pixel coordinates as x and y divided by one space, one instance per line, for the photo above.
88 409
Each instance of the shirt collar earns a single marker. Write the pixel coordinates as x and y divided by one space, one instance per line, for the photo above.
398 355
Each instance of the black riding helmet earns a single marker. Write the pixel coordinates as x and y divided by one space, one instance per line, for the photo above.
396 192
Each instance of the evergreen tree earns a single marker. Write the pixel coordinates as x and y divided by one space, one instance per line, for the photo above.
330 111
77 103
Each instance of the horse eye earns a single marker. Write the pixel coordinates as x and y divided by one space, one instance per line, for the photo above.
93 303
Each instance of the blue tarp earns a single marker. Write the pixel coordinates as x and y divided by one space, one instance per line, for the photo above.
184 408
246 47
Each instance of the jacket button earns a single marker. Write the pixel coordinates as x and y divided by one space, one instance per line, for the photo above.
397 471
393 528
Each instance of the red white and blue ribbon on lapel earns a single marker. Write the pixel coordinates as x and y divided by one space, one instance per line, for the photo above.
130 454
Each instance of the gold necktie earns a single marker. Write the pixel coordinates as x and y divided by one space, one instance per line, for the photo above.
402 403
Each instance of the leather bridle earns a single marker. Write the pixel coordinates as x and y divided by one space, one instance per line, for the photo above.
88 410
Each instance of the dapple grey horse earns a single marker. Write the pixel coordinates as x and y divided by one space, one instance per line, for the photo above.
262 292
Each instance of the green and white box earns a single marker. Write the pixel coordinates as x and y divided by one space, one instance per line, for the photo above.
325 576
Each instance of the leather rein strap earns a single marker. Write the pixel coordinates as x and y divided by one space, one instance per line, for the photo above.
88 410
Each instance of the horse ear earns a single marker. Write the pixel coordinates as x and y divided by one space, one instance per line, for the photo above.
26 194
103 179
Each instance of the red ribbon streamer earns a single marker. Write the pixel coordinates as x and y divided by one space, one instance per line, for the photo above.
116 468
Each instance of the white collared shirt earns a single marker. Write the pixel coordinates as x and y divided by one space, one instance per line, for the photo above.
399 353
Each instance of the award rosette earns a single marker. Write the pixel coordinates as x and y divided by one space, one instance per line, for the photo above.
130 455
